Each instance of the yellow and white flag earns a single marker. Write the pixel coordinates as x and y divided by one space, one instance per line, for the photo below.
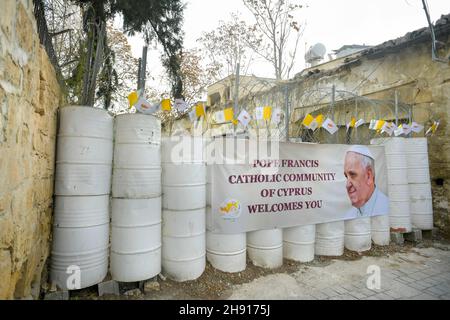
229 114
244 118
379 124
200 110
330 126
166 105
259 113
308 120
417 128
193 115
276 116
180 105
359 123
145 107
389 128
372 124
402 129
224 115
133 98
267 114
351 124
219 117
433 128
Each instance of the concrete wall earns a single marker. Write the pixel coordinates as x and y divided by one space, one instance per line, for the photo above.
29 99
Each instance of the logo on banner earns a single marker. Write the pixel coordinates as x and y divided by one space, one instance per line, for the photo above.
230 209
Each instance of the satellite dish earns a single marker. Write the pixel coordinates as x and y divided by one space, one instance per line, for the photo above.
315 53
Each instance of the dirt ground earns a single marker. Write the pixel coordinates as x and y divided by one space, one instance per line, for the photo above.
214 284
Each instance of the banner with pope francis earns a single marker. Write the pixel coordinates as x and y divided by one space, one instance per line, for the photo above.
299 184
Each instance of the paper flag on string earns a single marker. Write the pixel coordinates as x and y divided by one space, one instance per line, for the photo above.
403 129
219 117
200 110
133 98
351 124
433 128
244 118
398 131
415 127
308 121
319 119
180 105
359 123
379 124
389 128
165 105
259 113
372 125
406 129
193 115
229 114
276 116
330 126
145 107
267 113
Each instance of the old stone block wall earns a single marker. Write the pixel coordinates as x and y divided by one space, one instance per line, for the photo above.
29 99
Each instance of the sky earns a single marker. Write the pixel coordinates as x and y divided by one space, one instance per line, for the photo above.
333 23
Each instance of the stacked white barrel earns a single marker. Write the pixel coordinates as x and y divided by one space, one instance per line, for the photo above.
265 248
136 203
419 183
184 207
82 187
399 200
299 242
380 230
330 239
358 234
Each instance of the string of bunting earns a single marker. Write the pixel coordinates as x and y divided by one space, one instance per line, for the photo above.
266 113
381 126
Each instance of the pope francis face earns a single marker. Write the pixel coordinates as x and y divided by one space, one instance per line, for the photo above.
360 179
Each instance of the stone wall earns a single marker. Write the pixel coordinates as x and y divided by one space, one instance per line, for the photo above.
29 100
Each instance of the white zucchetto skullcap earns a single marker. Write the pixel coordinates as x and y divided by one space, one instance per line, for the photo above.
361 150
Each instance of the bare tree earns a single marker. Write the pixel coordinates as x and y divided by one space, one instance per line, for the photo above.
277 26
228 46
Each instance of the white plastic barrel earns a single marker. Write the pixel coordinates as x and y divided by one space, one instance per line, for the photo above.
227 252
184 207
135 239
358 234
82 185
380 228
417 160
330 239
137 128
419 183
80 240
298 243
84 152
184 247
398 189
136 207
421 206
137 157
265 248
209 185
184 186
